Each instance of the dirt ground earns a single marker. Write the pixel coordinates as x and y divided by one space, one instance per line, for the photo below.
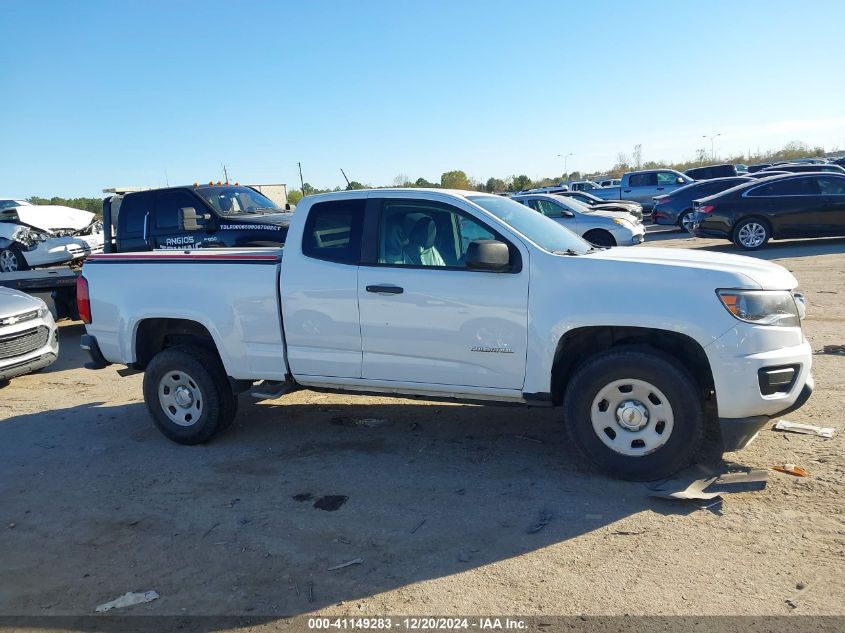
441 503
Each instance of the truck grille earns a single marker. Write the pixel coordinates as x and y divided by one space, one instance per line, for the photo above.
24 342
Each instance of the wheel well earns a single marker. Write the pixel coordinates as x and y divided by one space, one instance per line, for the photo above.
154 335
577 346
603 232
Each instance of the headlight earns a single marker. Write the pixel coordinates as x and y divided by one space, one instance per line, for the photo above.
622 221
762 307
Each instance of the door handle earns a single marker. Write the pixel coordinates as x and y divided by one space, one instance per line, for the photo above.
627 191
386 290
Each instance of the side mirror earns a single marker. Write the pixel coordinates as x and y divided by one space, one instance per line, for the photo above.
566 214
188 219
490 255
680 181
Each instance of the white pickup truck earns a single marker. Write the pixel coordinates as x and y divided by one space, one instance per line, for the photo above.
465 296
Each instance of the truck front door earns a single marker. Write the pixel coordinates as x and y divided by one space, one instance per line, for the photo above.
426 317
166 223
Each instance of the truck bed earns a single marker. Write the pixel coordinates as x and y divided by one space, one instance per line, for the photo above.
233 294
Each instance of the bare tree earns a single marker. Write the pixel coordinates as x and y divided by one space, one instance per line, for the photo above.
638 156
401 180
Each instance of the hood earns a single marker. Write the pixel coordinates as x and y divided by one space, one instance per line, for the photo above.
15 302
612 213
50 217
619 203
738 270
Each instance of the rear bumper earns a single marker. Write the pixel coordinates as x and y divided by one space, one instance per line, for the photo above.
89 344
737 433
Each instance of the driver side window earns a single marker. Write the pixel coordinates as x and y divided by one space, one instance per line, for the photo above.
420 233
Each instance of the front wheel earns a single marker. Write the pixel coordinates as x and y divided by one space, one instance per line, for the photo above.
188 394
636 414
12 260
751 234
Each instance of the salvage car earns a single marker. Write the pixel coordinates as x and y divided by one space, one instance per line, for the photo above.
780 207
601 227
29 340
463 296
45 235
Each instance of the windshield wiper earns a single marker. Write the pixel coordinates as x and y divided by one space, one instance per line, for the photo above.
568 251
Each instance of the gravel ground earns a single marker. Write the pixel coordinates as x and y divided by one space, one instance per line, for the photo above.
450 509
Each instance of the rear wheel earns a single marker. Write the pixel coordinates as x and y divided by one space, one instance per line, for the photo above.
686 220
635 413
751 234
599 237
11 260
188 394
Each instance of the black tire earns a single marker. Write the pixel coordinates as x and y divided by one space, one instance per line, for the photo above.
683 218
756 226
663 373
599 237
12 253
212 408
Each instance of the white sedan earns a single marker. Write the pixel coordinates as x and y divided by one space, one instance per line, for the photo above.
28 337
45 235
599 227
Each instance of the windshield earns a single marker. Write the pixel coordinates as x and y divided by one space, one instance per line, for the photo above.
236 200
543 231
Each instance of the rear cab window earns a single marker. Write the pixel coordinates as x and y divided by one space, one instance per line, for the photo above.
333 231
643 180
135 210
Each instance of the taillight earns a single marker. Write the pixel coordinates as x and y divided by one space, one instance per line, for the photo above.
706 208
83 301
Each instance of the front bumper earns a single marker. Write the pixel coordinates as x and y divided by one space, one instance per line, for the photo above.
737 433
33 360
625 236
24 367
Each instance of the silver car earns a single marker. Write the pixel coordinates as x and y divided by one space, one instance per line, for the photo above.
29 340
599 227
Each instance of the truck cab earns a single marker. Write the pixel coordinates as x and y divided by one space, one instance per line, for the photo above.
196 216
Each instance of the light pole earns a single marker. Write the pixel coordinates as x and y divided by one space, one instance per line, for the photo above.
712 146
565 163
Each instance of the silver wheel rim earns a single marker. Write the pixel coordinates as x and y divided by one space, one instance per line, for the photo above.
180 398
687 221
752 234
632 417
8 261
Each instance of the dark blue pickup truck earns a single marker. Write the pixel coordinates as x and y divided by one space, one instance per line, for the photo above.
193 216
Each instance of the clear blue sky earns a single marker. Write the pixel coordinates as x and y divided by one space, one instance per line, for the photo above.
105 93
